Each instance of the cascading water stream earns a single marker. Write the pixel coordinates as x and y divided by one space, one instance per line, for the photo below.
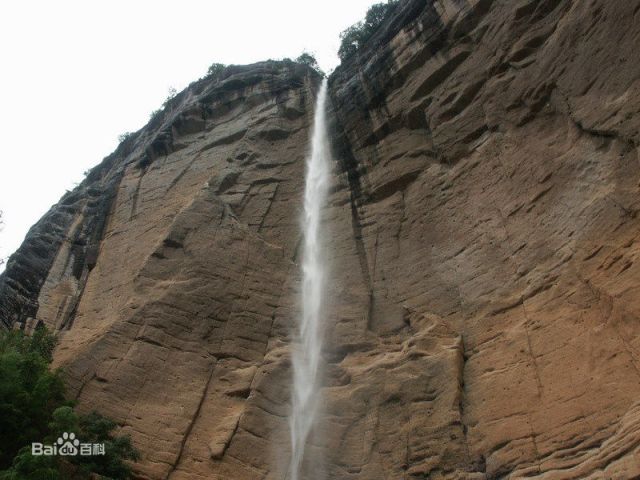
306 353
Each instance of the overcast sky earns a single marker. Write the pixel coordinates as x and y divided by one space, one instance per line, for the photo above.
76 74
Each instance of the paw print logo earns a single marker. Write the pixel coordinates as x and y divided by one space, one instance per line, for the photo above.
68 444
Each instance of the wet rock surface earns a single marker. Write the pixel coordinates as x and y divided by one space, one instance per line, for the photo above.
482 233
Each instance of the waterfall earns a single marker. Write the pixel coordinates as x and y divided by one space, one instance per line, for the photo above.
306 352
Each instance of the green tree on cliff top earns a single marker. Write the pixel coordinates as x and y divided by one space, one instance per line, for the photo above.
357 34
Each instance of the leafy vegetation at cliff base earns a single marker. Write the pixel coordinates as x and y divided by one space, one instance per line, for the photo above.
357 34
33 408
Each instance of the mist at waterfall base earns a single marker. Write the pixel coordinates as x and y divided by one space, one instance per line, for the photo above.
307 348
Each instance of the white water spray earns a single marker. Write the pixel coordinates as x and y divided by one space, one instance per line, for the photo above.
306 354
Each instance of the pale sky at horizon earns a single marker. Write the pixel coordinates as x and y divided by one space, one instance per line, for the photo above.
76 74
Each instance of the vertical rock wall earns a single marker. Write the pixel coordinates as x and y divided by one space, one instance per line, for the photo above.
490 152
482 224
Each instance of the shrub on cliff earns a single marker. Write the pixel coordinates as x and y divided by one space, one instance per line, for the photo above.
215 69
352 39
123 137
1 223
156 114
33 409
171 94
29 391
308 59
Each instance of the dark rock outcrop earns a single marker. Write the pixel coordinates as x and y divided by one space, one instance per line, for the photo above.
482 227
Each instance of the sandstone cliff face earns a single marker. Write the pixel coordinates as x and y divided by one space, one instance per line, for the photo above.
483 311
493 165
164 271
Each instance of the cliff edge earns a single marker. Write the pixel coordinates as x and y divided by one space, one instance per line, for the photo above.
482 228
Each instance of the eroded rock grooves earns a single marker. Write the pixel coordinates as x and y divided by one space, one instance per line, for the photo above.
483 230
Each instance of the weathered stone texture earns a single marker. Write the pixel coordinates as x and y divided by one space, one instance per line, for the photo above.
481 237
491 149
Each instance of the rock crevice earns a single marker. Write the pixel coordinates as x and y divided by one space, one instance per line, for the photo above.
481 234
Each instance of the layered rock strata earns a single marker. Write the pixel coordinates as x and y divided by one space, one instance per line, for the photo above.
481 229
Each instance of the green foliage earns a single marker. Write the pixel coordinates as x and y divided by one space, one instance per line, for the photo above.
155 114
352 39
123 137
33 409
29 391
215 69
94 428
1 223
309 59
28 467
171 94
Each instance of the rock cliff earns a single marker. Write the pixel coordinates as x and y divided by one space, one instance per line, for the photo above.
482 229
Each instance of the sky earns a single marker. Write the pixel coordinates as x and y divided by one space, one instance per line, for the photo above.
76 74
